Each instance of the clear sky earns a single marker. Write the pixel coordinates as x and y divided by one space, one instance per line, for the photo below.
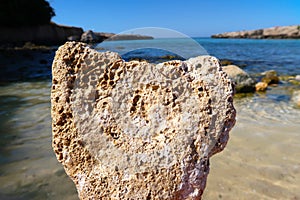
191 17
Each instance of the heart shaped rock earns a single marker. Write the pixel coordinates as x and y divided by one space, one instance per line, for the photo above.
135 130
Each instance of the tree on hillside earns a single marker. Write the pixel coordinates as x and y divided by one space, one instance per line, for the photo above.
14 13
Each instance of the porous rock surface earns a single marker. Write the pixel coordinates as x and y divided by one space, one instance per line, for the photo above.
135 130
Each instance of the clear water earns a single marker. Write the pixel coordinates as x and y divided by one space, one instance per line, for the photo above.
28 167
257 55
261 160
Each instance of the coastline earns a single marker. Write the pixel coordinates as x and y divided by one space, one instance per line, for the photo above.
53 34
277 32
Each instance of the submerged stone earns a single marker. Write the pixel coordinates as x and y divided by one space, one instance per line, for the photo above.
135 130
242 80
261 86
296 98
270 77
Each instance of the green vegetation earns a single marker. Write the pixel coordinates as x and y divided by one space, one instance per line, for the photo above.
298 27
15 13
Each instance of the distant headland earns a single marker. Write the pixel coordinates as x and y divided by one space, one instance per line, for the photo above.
97 37
277 32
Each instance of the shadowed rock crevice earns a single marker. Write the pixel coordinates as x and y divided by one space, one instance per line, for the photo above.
135 130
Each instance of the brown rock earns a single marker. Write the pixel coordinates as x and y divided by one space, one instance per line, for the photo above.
261 86
134 130
225 62
270 77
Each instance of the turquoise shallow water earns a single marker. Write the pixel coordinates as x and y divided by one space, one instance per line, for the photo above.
261 160
28 167
256 55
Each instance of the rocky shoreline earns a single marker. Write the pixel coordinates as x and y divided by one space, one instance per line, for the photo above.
261 82
48 34
277 32
98 37
32 62
53 34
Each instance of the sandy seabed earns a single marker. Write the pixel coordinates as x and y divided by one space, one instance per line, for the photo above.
261 160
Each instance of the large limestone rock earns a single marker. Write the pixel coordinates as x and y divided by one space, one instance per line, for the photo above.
134 130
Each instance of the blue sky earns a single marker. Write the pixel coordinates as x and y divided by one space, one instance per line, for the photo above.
191 17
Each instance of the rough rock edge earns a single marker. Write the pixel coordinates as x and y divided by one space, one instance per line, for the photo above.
79 163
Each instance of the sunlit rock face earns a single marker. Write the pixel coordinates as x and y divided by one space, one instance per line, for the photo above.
135 130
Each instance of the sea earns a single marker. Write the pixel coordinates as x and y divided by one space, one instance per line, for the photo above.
260 161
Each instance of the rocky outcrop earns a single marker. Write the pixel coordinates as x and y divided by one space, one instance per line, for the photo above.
135 130
130 37
278 32
243 82
97 37
89 37
49 34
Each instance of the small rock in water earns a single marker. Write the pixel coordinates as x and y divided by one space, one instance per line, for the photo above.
296 98
244 83
297 78
261 86
225 62
270 77
135 130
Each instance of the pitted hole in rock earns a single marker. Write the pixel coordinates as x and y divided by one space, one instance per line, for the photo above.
145 109
114 135
134 111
